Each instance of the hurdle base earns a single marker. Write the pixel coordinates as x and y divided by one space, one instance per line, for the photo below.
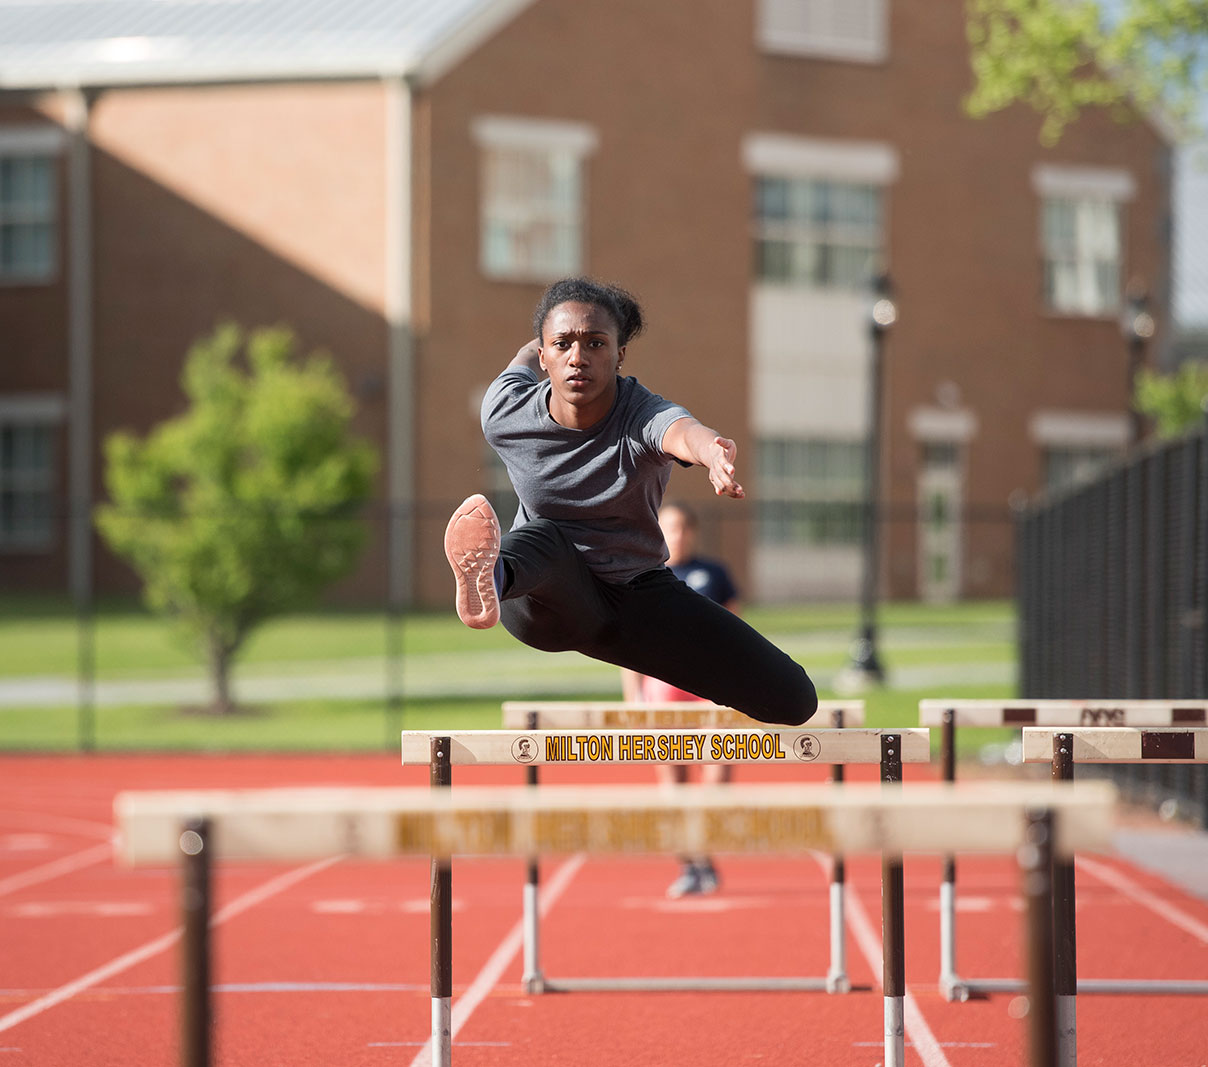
1094 986
954 988
693 984
1156 987
838 982
534 983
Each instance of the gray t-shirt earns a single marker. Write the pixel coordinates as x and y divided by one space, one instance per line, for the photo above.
603 485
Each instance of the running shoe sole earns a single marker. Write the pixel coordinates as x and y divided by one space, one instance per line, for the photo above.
472 547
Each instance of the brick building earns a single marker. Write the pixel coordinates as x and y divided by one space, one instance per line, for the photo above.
398 181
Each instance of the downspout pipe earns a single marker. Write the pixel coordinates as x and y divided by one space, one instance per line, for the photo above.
400 464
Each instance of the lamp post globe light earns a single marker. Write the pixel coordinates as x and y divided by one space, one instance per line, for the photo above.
865 667
1137 326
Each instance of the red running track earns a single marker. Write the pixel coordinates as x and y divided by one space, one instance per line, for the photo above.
327 963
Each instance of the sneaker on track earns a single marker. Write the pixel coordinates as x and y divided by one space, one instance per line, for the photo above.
472 547
707 878
686 884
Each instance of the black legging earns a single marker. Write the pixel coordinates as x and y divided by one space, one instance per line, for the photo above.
655 625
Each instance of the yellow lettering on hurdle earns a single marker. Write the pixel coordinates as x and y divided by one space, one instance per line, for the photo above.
625 747
481 832
729 747
413 832
635 831
755 829
559 831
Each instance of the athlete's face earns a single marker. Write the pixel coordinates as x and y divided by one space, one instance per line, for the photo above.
579 352
679 534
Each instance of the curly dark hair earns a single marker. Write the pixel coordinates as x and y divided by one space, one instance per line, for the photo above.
621 305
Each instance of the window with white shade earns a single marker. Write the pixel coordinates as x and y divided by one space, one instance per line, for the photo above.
532 197
1082 255
29 204
1065 468
817 232
854 30
1081 235
26 485
811 491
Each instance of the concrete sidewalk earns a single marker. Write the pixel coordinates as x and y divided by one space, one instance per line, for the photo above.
1173 851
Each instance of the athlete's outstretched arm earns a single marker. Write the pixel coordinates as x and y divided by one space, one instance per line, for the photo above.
694 442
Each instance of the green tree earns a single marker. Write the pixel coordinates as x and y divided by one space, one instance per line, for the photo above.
1061 56
1174 401
245 506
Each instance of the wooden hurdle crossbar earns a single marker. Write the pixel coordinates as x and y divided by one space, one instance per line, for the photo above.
629 715
611 715
948 714
1034 821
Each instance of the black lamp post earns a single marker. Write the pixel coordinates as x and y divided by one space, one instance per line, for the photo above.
1137 326
864 659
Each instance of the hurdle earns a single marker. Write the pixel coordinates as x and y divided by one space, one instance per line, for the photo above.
948 714
611 715
888 748
1117 745
1035 821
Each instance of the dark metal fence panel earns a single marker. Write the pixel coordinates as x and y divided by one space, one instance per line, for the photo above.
1112 588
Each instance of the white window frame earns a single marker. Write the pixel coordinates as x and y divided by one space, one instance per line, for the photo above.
44 411
565 144
853 163
1088 190
1104 435
855 31
831 503
40 142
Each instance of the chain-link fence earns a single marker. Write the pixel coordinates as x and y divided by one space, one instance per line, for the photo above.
1113 595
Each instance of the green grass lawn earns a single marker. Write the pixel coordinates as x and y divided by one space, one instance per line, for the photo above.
451 677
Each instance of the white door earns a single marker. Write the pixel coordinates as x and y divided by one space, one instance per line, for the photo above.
940 533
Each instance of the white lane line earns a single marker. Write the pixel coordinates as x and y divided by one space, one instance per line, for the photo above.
1141 895
46 871
161 944
460 1044
62 823
243 987
869 941
502 957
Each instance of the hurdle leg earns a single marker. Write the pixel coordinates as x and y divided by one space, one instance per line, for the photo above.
1036 865
532 979
837 980
950 985
441 911
1064 932
195 944
892 924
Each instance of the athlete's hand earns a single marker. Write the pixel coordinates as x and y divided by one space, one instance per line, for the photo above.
722 452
